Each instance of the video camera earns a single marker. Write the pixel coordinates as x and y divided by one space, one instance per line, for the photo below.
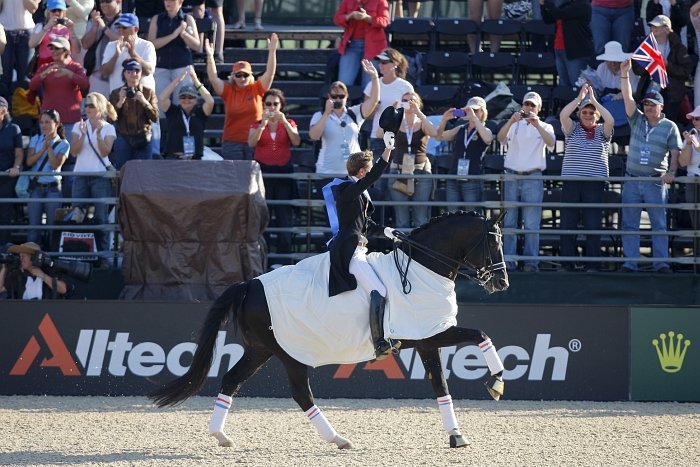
76 269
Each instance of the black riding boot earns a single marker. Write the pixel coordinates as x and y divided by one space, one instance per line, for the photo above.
382 346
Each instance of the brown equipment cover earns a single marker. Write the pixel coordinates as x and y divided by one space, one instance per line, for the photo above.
191 228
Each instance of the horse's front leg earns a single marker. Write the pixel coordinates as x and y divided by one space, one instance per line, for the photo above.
457 335
298 374
430 356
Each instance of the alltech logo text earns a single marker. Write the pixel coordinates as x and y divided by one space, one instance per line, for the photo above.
100 352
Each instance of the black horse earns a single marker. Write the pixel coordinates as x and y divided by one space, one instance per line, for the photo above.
447 245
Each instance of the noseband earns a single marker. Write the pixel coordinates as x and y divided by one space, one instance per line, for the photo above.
479 275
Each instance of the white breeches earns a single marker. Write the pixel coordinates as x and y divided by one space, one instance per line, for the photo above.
364 273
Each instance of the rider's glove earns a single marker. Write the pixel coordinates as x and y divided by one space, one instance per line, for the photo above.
389 140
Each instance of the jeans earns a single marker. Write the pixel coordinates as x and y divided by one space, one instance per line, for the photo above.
524 191
637 192
122 153
422 192
95 187
15 57
612 24
233 151
164 76
568 69
35 211
466 191
581 192
351 64
7 210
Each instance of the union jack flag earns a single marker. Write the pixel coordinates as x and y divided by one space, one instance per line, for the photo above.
648 56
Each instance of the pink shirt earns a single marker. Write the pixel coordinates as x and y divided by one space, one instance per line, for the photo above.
276 151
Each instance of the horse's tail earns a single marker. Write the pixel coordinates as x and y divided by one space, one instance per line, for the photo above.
187 385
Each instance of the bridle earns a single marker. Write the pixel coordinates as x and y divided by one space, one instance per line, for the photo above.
479 275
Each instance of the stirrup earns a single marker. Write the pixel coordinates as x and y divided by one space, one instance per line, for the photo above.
495 386
384 347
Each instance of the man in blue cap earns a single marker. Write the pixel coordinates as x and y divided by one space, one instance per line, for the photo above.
652 138
128 46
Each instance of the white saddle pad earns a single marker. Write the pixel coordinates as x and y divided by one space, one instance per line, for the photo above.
316 329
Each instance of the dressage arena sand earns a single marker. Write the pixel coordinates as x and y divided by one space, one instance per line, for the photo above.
128 431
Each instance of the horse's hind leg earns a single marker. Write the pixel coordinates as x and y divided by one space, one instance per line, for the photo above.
431 361
298 374
246 367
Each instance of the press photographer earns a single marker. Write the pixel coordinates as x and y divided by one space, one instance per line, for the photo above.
28 274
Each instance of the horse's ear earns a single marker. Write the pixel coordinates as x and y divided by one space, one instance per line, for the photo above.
499 220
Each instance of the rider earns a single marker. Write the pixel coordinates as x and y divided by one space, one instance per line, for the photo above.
348 248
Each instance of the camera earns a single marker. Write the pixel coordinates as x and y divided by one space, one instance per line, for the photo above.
9 259
458 113
60 21
524 114
337 105
77 269
131 92
693 131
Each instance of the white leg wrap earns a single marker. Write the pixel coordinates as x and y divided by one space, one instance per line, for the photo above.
322 425
218 416
447 412
491 356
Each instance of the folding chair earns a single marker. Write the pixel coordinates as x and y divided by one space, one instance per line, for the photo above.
411 34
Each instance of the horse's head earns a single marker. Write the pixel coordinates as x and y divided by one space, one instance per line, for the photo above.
462 239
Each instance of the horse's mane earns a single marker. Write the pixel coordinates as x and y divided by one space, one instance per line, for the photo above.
443 218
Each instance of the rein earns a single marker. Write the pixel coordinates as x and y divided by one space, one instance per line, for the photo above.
479 276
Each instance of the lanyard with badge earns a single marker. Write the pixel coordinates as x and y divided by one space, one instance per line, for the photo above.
463 163
188 140
344 147
645 153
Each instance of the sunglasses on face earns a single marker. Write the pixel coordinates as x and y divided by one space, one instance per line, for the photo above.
337 96
133 71
587 112
696 119
57 10
90 105
187 97
241 75
272 104
384 62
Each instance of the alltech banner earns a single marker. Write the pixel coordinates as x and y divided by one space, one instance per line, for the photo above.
665 354
126 348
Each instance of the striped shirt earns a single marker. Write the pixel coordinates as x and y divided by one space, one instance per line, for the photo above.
657 140
584 157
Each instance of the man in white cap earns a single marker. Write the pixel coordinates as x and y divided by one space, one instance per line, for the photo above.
652 138
679 66
128 46
528 139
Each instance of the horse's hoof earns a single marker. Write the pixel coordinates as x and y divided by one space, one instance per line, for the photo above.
224 441
343 443
495 386
459 441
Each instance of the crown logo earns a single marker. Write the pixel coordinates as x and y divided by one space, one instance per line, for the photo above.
671 354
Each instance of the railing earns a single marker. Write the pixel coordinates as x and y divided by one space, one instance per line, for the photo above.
311 231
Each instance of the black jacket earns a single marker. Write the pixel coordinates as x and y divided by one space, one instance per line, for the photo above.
576 24
354 220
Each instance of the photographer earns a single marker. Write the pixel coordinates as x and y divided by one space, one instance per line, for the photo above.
137 111
25 278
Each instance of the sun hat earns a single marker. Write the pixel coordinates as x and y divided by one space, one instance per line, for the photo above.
242 66
383 56
661 20
694 113
613 53
476 102
29 248
56 5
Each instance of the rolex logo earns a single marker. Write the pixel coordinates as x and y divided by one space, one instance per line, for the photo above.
671 353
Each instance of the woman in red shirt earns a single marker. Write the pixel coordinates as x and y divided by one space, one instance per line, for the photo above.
273 138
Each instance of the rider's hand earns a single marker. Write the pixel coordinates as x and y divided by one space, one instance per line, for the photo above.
389 140
389 232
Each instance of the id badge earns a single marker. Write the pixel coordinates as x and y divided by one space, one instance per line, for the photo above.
644 155
408 165
345 150
463 167
188 146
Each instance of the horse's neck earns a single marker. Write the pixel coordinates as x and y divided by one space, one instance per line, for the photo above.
440 265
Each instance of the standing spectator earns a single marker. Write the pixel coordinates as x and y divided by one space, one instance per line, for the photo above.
78 11
257 21
242 96
392 85
174 35
690 159
63 82
100 31
137 109
338 126
679 66
129 46
411 158
16 18
612 20
672 9
586 155
273 138
11 158
413 9
186 120
55 25
470 144
91 143
216 10
528 139
476 13
695 20
47 153
363 23
573 44
652 137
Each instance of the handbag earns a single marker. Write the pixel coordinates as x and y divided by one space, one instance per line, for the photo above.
402 187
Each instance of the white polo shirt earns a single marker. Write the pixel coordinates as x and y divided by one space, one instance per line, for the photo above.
526 148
